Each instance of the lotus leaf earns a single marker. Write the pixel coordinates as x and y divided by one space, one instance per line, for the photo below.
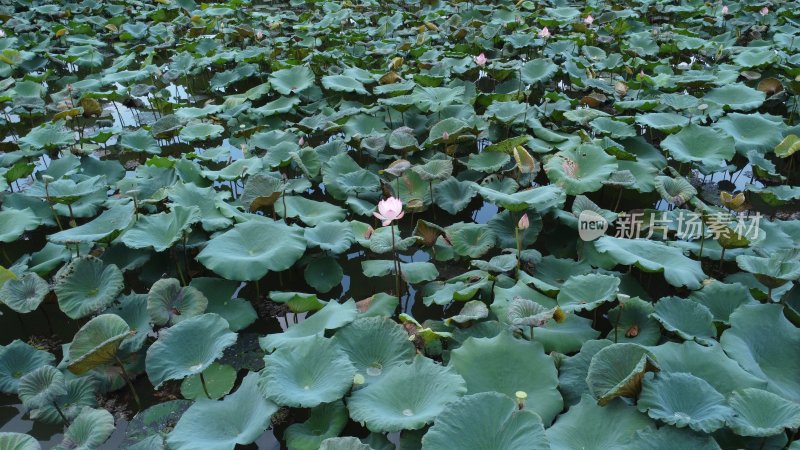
89 430
682 399
618 370
18 359
41 387
168 302
96 343
375 346
86 285
761 413
161 231
18 441
333 315
24 294
325 421
687 319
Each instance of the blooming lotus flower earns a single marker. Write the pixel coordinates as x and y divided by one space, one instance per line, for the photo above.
764 11
544 33
480 60
524 222
588 20
389 210
725 10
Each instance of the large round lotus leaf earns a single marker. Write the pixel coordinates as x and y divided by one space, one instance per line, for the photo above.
581 170
696 144
587 292
567 336
161 231
215 214
654 256
220 294
333 237
24 294
773 270
375 346
41 387
760 132
15 222
435 169
770 352
140 140
488 162
80 392
686 318
96 343
133 309
342 83
48 135
540 199
332 316
345 443
761 413
453 195
323 273
667 438
736 96
663 121
292 80
588 426
682 399
470 239
242 253
169 302
188 348
508 365
219 380
18 441
617 371
538 70
407 398
103 228
707 362
632 323
307 373
483 421
201 131
86 285
573 370
722 299
325 421
18 359
89 430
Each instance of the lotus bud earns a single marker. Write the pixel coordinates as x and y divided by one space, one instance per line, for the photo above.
725 10
301 141
559 315
589 20
445 136
259 35
622 299
521 396
47 179
358 379
244 149
480 60
764 11
523 223
544 33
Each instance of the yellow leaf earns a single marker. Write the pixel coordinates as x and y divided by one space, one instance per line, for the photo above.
61 32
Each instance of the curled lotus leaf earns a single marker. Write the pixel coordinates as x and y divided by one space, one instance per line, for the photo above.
87 285
618 370
169 302
17 359
18 441
96 343
761 413
89 430
682 399
41 387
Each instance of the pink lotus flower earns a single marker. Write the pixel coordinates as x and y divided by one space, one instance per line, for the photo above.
259 35
523 223
544 33
389 210
725 10
301 141
588 20
764 11
480 60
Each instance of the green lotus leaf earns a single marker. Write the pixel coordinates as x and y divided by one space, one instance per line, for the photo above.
674 190
89 430
682 399
96 343
471 311
311 212
488 162
103 228
760 413
323 273
587 292
540 198
504 227
617 371
132 308
753 57
455 129
470 239
722 299
220 294
632 322
667 122
200 131
345 443
613 128
407 398
653 256
768 352
80 393
342 83
775 195
15 222
188 348
538 70
41 387
86 285
378 305
307 373
484 365
435 169
325 421
453 195
486 420
17 359
687 319
760 132
704 145
149 427
591 427
140 140
334 237
736 96
506 112
375 346
435 99
161 231
668 437
215 214
24 294
218 379
261 190
298 302
18 441
581 170
583 116
333 315
293 80
528 313
788 146
168 302
281 105
573 370
243 254
773 270
48 136
381 241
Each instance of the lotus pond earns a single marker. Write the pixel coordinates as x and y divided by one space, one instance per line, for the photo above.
400 225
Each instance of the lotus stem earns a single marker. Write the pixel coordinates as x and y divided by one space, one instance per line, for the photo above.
433 203
519 248
203 382
396 264
722 258
61 413
129 382
50 204
702 237
72 221
769 294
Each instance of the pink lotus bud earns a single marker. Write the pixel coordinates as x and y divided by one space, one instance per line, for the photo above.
764 11
725 10
523 223
544 33
445 136
301 141
259 35
480 60
588 20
